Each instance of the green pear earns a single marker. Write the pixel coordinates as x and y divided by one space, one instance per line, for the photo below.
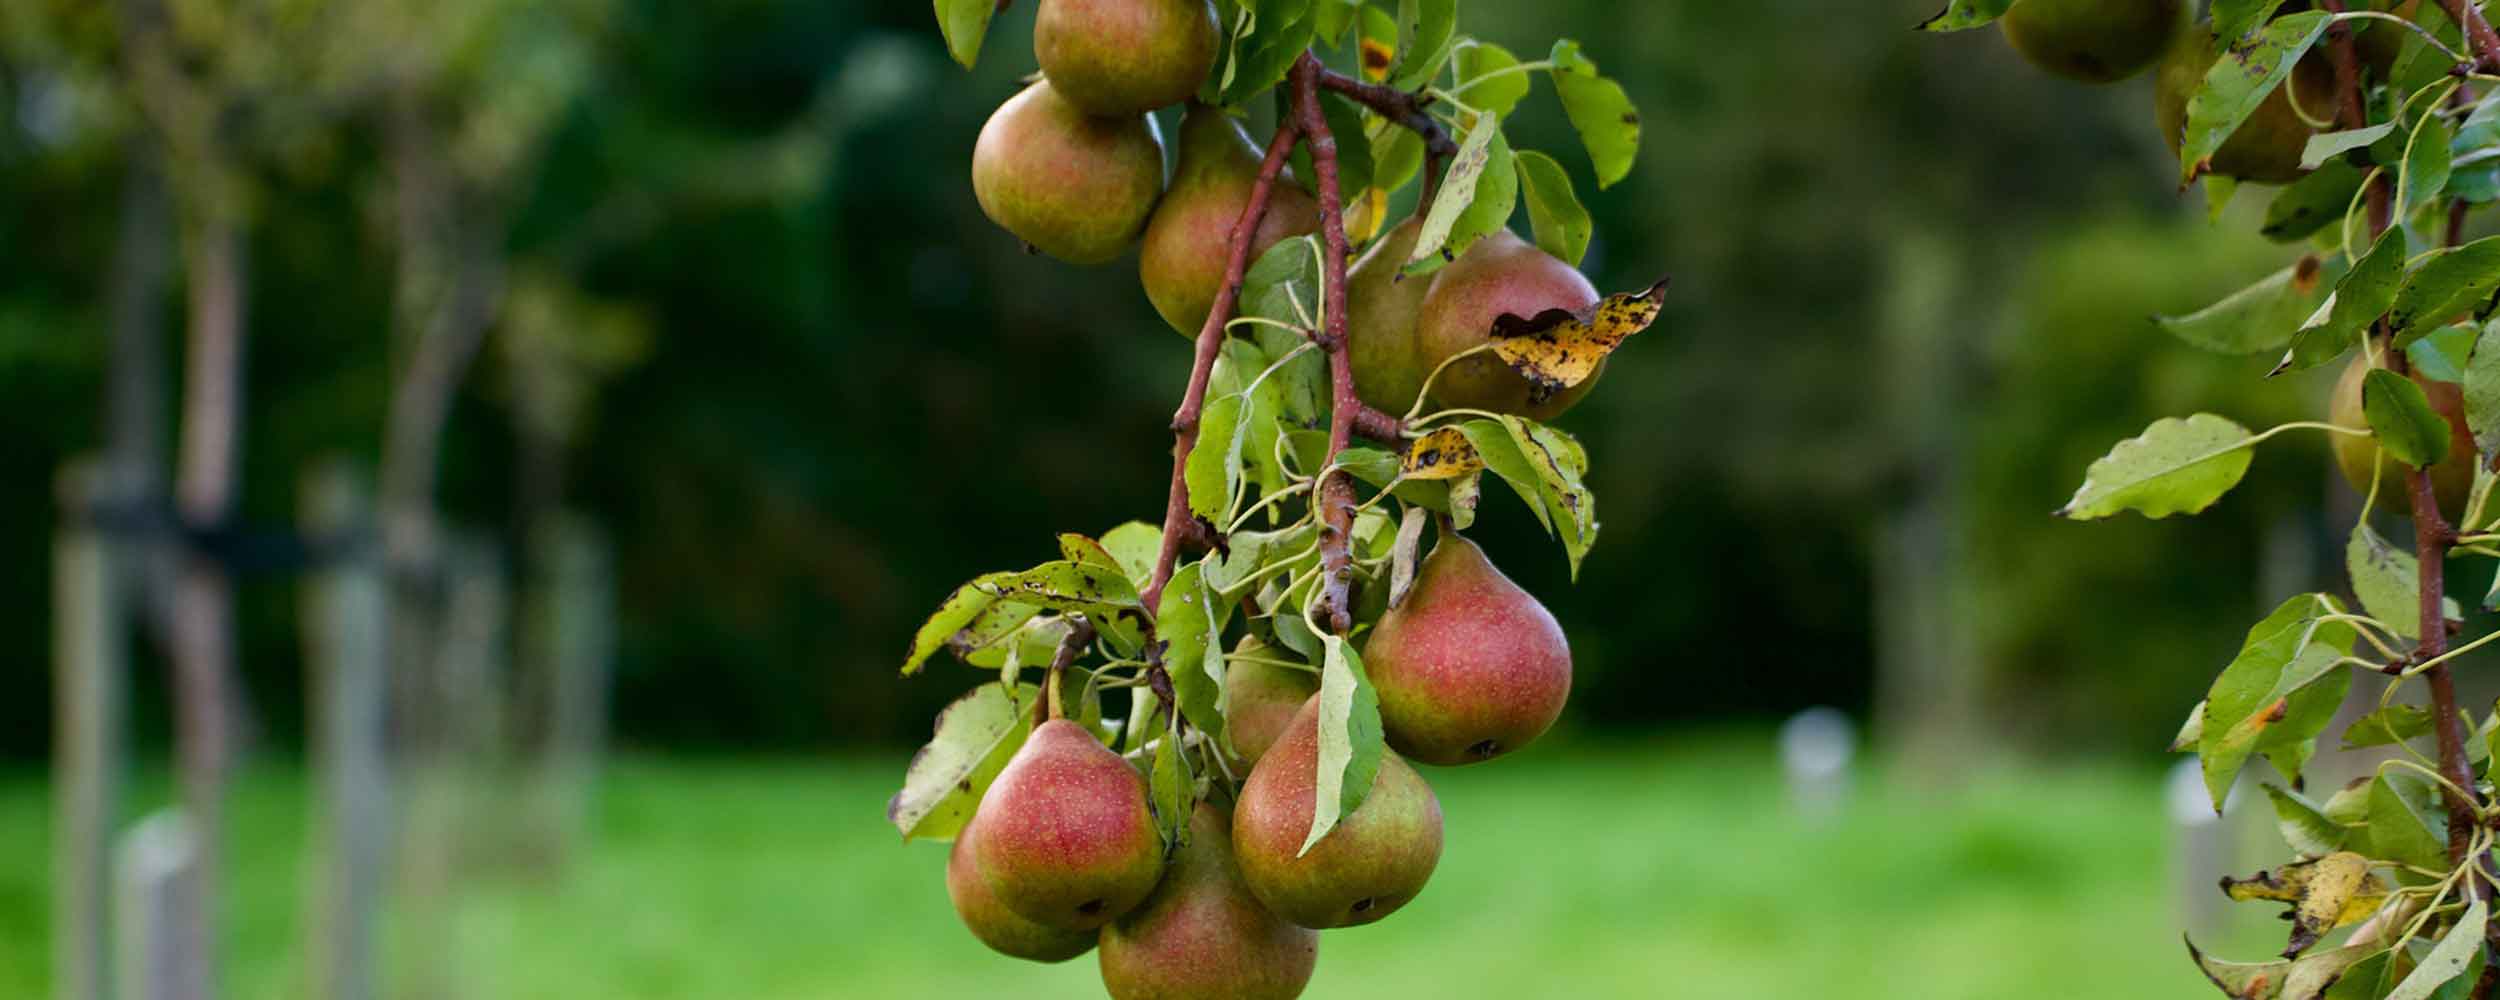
1369 865
996 925
1202 936
1125 57
1073 186
1189 240
2095 41
2452 479
1066 837
1381 306
1260 699
1469 667
1499 274
2267 147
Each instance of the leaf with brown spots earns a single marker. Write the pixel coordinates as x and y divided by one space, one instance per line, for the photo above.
1560 348
1443 454
2326 893
1065 586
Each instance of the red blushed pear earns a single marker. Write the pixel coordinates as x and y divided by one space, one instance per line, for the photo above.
1068 184
1125 57
997 926
1202 935
1188 242
1499 274
1369 865
1261 701
1067 840
1469 667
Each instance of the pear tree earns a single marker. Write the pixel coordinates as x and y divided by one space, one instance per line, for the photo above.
2373 127
1194 742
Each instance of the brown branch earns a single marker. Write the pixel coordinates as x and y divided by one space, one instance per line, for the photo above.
1403 108
1179 524
2485 42
1335 496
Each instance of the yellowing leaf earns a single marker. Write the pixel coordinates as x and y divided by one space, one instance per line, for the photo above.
1560 348
1443 454
2327 893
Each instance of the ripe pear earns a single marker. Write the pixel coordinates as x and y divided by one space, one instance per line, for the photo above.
2094 41
1500 273
1202 936
1370 864
1260 699
1070 185
2267 147
2452 479
1066 838
996 925
1125 57
1190 237
1381 308
1469 667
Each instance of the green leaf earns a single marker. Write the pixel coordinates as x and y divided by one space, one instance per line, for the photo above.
964 22
2426 165
1962 15
2400 414
1501 454
1213 473
1190 624
2450 283
1136 545
1561 223
2384 578
1496 197
1397 156
2365 294
2312 203
1169 787
2218 193
2239 82
1488 77
2304 827
1334 16
1278 32
2175 466
2368 979
2391 725
1559 462
2234 19
1350 741
2450 958
945 780
1425 30
2441 355
2326 146
2482 390
2260 317
1599 110
2307 711
1457 196
1065 586
960 608
983 642
2241 979
2287 652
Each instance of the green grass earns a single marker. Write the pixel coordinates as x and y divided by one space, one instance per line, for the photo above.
1666 870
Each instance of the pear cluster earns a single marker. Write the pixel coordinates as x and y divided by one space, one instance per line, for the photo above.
1063 854
2104 41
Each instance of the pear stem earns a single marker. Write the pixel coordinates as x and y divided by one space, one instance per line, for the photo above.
1052 704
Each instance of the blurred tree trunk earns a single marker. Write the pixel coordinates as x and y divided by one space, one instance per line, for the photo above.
1927 677
134 410
203 639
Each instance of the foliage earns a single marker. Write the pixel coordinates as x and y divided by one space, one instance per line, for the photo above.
2402 271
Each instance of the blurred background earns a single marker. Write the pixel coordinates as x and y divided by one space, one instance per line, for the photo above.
660 354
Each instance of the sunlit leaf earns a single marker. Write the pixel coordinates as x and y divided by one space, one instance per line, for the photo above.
2239 82
974 738
1560 223
2260 317
1350 742
2175 466
964 23
1598 108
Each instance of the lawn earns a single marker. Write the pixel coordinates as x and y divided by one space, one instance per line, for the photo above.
1671 869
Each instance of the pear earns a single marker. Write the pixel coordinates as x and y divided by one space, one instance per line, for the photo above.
1469 667
1500 273
2452 479
1202 936
1190 237
1073 186
1260 699
2267 147
1381 307
1066 838
1125 57
2095 41
996 925
1372 863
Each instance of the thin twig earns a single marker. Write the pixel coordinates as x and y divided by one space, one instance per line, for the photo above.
1405 110
2485 42
1336 486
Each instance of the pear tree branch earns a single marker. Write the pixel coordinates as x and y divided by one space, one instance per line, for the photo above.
1335 495
2485 41
1404 109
